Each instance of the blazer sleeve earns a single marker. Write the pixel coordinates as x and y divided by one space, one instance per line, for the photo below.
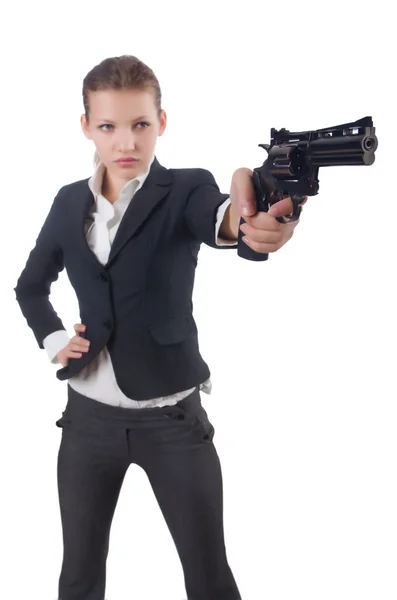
201 210
42 268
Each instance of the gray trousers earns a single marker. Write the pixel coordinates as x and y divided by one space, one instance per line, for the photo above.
174 446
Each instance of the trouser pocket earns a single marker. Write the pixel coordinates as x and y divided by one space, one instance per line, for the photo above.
197 420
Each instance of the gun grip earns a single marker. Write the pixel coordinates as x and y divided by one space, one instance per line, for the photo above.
243 250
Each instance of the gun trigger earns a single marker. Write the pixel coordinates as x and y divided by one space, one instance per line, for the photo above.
295 213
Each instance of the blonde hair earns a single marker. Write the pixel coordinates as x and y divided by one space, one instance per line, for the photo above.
120 73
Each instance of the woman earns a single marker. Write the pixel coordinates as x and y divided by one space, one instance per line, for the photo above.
129 237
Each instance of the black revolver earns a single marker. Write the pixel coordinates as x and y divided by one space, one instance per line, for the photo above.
294 158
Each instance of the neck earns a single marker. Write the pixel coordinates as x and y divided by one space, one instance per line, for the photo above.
111 188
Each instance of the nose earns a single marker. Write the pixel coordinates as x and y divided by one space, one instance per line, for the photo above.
126 141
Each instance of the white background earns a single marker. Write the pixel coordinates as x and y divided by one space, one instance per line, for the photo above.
302 348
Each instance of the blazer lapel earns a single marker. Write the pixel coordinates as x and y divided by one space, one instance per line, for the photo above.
155 188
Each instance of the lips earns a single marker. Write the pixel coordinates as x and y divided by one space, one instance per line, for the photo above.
127 160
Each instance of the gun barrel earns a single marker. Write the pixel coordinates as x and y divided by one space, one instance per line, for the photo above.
346 150
332 160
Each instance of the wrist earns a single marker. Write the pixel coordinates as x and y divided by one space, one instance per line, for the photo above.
231 223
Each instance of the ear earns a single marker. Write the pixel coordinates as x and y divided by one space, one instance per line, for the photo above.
84 126
163 122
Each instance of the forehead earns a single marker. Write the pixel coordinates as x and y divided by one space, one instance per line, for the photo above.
121 104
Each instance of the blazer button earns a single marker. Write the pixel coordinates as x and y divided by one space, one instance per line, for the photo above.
104 276
108 323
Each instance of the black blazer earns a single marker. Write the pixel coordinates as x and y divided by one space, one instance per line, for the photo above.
140 303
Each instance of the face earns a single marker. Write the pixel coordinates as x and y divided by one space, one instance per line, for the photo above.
123 124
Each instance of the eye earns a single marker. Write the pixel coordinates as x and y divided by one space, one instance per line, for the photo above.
143 123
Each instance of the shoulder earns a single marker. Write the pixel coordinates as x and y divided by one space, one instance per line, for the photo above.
193 176
74 186
71 190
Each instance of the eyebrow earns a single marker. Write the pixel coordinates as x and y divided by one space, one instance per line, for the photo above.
137 119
